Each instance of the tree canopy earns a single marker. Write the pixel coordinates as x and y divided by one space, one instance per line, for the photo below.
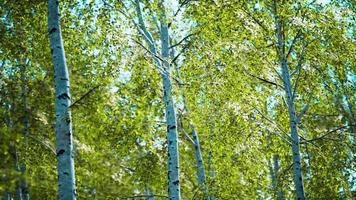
177 99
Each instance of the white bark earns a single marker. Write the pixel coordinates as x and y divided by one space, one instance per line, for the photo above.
164 68
64 138
274 170
172 136
195 138
293 119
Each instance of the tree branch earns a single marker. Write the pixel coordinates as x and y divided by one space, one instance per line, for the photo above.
84 96
182 40
328 133
264 80
244 9
299 33
295 86
304 110
276 125
180 53
180 125
181 5
143 196
142 25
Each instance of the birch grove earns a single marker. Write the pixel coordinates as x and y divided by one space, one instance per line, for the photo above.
177 99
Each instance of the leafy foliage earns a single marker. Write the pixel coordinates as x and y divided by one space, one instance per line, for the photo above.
231 80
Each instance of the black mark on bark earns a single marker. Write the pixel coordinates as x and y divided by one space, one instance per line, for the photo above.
63 96
52 30
60 152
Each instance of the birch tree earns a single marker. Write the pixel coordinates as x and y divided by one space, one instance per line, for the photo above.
64 134
162 62
234 98
282 54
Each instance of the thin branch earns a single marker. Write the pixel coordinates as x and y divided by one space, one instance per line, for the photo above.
149 51
84 96
304 110
142 25
44 144
297 68
299 33
182 40
130 18
328 133
185 2
180 125
264 80
276 125
295 85
284 171
244 9
154 18
190 140
300 61
127 168
155 21
143 196
180 53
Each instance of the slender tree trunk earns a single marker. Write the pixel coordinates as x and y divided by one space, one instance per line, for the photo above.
172 136
9 124
150 195
13 152
164 68
26 124
17 167
298 180
211 172
197 148
198 157
274 170
272 174
7 195
64 138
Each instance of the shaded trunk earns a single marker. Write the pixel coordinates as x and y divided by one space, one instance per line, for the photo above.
298 180
17 167
26 124
7 195
64 138
172 136
274 170
164 68
13 150
198 157
197 148
150 195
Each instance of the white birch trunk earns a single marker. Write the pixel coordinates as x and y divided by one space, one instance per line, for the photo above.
298 180
274 170
64 138
172 136
197 148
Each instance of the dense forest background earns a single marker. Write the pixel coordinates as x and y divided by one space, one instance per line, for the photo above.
177 99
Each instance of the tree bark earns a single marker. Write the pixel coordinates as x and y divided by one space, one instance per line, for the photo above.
200 170
64 138
172 136
293 120
274 170
164 68
26 124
